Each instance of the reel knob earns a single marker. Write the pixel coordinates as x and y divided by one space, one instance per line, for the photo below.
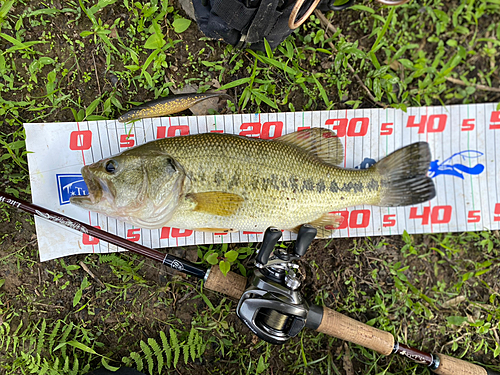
271 237
306 235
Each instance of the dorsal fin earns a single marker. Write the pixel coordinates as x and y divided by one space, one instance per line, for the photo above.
322 143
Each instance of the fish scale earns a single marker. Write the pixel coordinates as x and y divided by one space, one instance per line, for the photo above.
230 182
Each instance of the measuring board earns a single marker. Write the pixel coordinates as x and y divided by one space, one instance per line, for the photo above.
464 142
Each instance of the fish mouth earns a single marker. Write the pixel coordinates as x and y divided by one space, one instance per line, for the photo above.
94 187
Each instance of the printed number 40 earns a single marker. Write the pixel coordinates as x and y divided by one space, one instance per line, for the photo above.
438 214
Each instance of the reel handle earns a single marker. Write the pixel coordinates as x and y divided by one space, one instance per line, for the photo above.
271 237
306 235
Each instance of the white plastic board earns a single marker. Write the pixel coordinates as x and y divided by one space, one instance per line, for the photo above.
463 141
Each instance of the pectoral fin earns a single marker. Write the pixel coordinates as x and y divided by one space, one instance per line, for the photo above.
217 203
325 224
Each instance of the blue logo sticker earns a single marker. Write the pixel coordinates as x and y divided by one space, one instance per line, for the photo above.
452 168
70 184
366 163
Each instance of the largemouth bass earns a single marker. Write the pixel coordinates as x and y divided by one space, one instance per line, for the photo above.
169 105
223 183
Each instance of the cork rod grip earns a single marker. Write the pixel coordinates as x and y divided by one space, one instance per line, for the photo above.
453 366
232 285
345 328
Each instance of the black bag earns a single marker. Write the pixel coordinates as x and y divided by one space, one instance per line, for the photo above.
246 23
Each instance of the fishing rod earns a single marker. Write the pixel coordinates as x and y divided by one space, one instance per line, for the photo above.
271 306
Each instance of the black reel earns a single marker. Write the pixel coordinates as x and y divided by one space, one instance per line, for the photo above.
272 307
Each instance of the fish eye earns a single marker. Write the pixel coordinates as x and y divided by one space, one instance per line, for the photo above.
110 166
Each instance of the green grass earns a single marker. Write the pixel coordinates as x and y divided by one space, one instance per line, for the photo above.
87 60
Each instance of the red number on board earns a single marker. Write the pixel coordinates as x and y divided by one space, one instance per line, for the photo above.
167 232
474 216
126 140
386 128
495 120
352 130
88 240
496 214
250 129
354 219
432 124
438 215
162 132
468 124
356 127
389 220
134 235
80 140
277 127
339 126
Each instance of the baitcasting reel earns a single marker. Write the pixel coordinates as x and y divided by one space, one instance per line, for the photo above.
272 307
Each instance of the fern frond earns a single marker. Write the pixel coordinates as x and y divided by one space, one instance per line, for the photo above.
185 350
148 355
166 348
157 352
193 334
41 337
174 344
55 366
53 334
138 360
64 338
201 346
66 365
76 365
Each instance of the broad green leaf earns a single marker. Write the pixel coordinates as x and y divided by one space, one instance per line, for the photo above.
231 256
224 267
149 80
181 24
456 320
91 108
213 258
46 60
77 297
2 281
362 8
17 145
155 41
261 365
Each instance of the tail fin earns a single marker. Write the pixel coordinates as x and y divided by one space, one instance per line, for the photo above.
404 178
